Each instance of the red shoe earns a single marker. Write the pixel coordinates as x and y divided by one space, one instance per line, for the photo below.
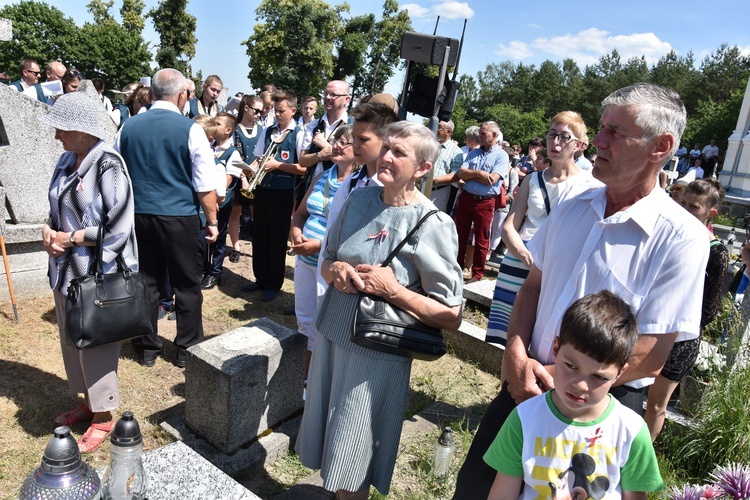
95 436
78 414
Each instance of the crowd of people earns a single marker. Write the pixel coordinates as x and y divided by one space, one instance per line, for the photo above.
600 295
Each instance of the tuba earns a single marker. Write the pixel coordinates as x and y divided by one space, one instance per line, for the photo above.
260 172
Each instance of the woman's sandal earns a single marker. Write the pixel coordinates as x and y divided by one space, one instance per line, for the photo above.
89 442
80 413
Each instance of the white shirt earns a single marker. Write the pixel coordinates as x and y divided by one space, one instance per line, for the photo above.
260 146
201 155
652 255
330 128
583 163
228 169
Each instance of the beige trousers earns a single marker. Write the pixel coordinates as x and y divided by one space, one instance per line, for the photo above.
92 372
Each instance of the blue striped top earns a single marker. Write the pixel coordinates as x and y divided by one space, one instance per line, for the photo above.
317 206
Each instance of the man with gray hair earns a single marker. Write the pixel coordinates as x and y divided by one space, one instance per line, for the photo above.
483 173
627 237
172 169
445 168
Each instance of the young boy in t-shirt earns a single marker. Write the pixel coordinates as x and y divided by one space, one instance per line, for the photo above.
577 441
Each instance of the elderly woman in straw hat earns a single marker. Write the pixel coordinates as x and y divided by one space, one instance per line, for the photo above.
90 188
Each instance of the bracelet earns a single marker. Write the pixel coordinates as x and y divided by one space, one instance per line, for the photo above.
317 156
213 224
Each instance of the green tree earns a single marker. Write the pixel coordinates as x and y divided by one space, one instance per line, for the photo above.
176 29
384 52
679 74
110 51
40 32
517 126
723 72
292 44
132 15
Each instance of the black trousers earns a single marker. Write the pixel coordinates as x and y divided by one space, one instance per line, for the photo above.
272 217
476 477
172 243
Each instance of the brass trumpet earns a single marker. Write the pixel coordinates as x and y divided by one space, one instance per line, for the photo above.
260 172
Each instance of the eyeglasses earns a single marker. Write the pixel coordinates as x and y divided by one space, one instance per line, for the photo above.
190 92
35 73
256 110
74 73
334 95
341 143
563 137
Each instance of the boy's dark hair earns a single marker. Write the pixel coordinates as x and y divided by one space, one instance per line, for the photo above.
601 326
231 119
285 95
98 83
537 141
377 114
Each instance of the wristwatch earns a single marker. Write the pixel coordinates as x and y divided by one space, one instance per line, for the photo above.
72 238
213 224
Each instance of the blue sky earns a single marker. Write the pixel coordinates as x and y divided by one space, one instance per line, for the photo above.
496 31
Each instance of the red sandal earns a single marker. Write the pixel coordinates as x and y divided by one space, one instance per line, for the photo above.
80 413
89 442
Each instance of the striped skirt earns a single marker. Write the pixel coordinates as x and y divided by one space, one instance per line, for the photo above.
354 412
510 277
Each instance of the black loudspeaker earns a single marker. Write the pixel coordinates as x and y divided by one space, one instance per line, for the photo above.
428 49
421 97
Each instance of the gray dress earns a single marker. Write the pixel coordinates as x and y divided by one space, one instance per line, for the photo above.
356 396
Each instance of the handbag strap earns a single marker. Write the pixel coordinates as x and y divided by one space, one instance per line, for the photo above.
543 187
398 248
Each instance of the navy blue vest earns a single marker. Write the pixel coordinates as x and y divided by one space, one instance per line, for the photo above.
17 85
155 148
285 153
246 145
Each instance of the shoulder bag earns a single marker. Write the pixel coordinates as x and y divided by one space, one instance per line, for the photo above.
106 308
381 326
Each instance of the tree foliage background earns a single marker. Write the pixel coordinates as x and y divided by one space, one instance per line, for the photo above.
523 98
302 44
105 48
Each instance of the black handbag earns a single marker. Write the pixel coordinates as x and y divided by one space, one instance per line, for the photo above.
381 326
106 308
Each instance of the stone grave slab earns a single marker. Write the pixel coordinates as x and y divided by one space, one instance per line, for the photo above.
241 383
175 472
480 292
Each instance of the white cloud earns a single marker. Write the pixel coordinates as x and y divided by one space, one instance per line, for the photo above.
453 10
514 50
416 10
587 46
448 9
745 50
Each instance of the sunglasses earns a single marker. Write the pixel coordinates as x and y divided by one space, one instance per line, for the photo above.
257 111
35 73
74 73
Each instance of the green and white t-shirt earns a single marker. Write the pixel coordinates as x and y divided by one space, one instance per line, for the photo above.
556 455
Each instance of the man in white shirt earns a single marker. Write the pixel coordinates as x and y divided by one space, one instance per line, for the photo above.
316 150
709 155
309 107
447 164
626 237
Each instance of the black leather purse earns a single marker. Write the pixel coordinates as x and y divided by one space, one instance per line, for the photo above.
106 308
381 326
